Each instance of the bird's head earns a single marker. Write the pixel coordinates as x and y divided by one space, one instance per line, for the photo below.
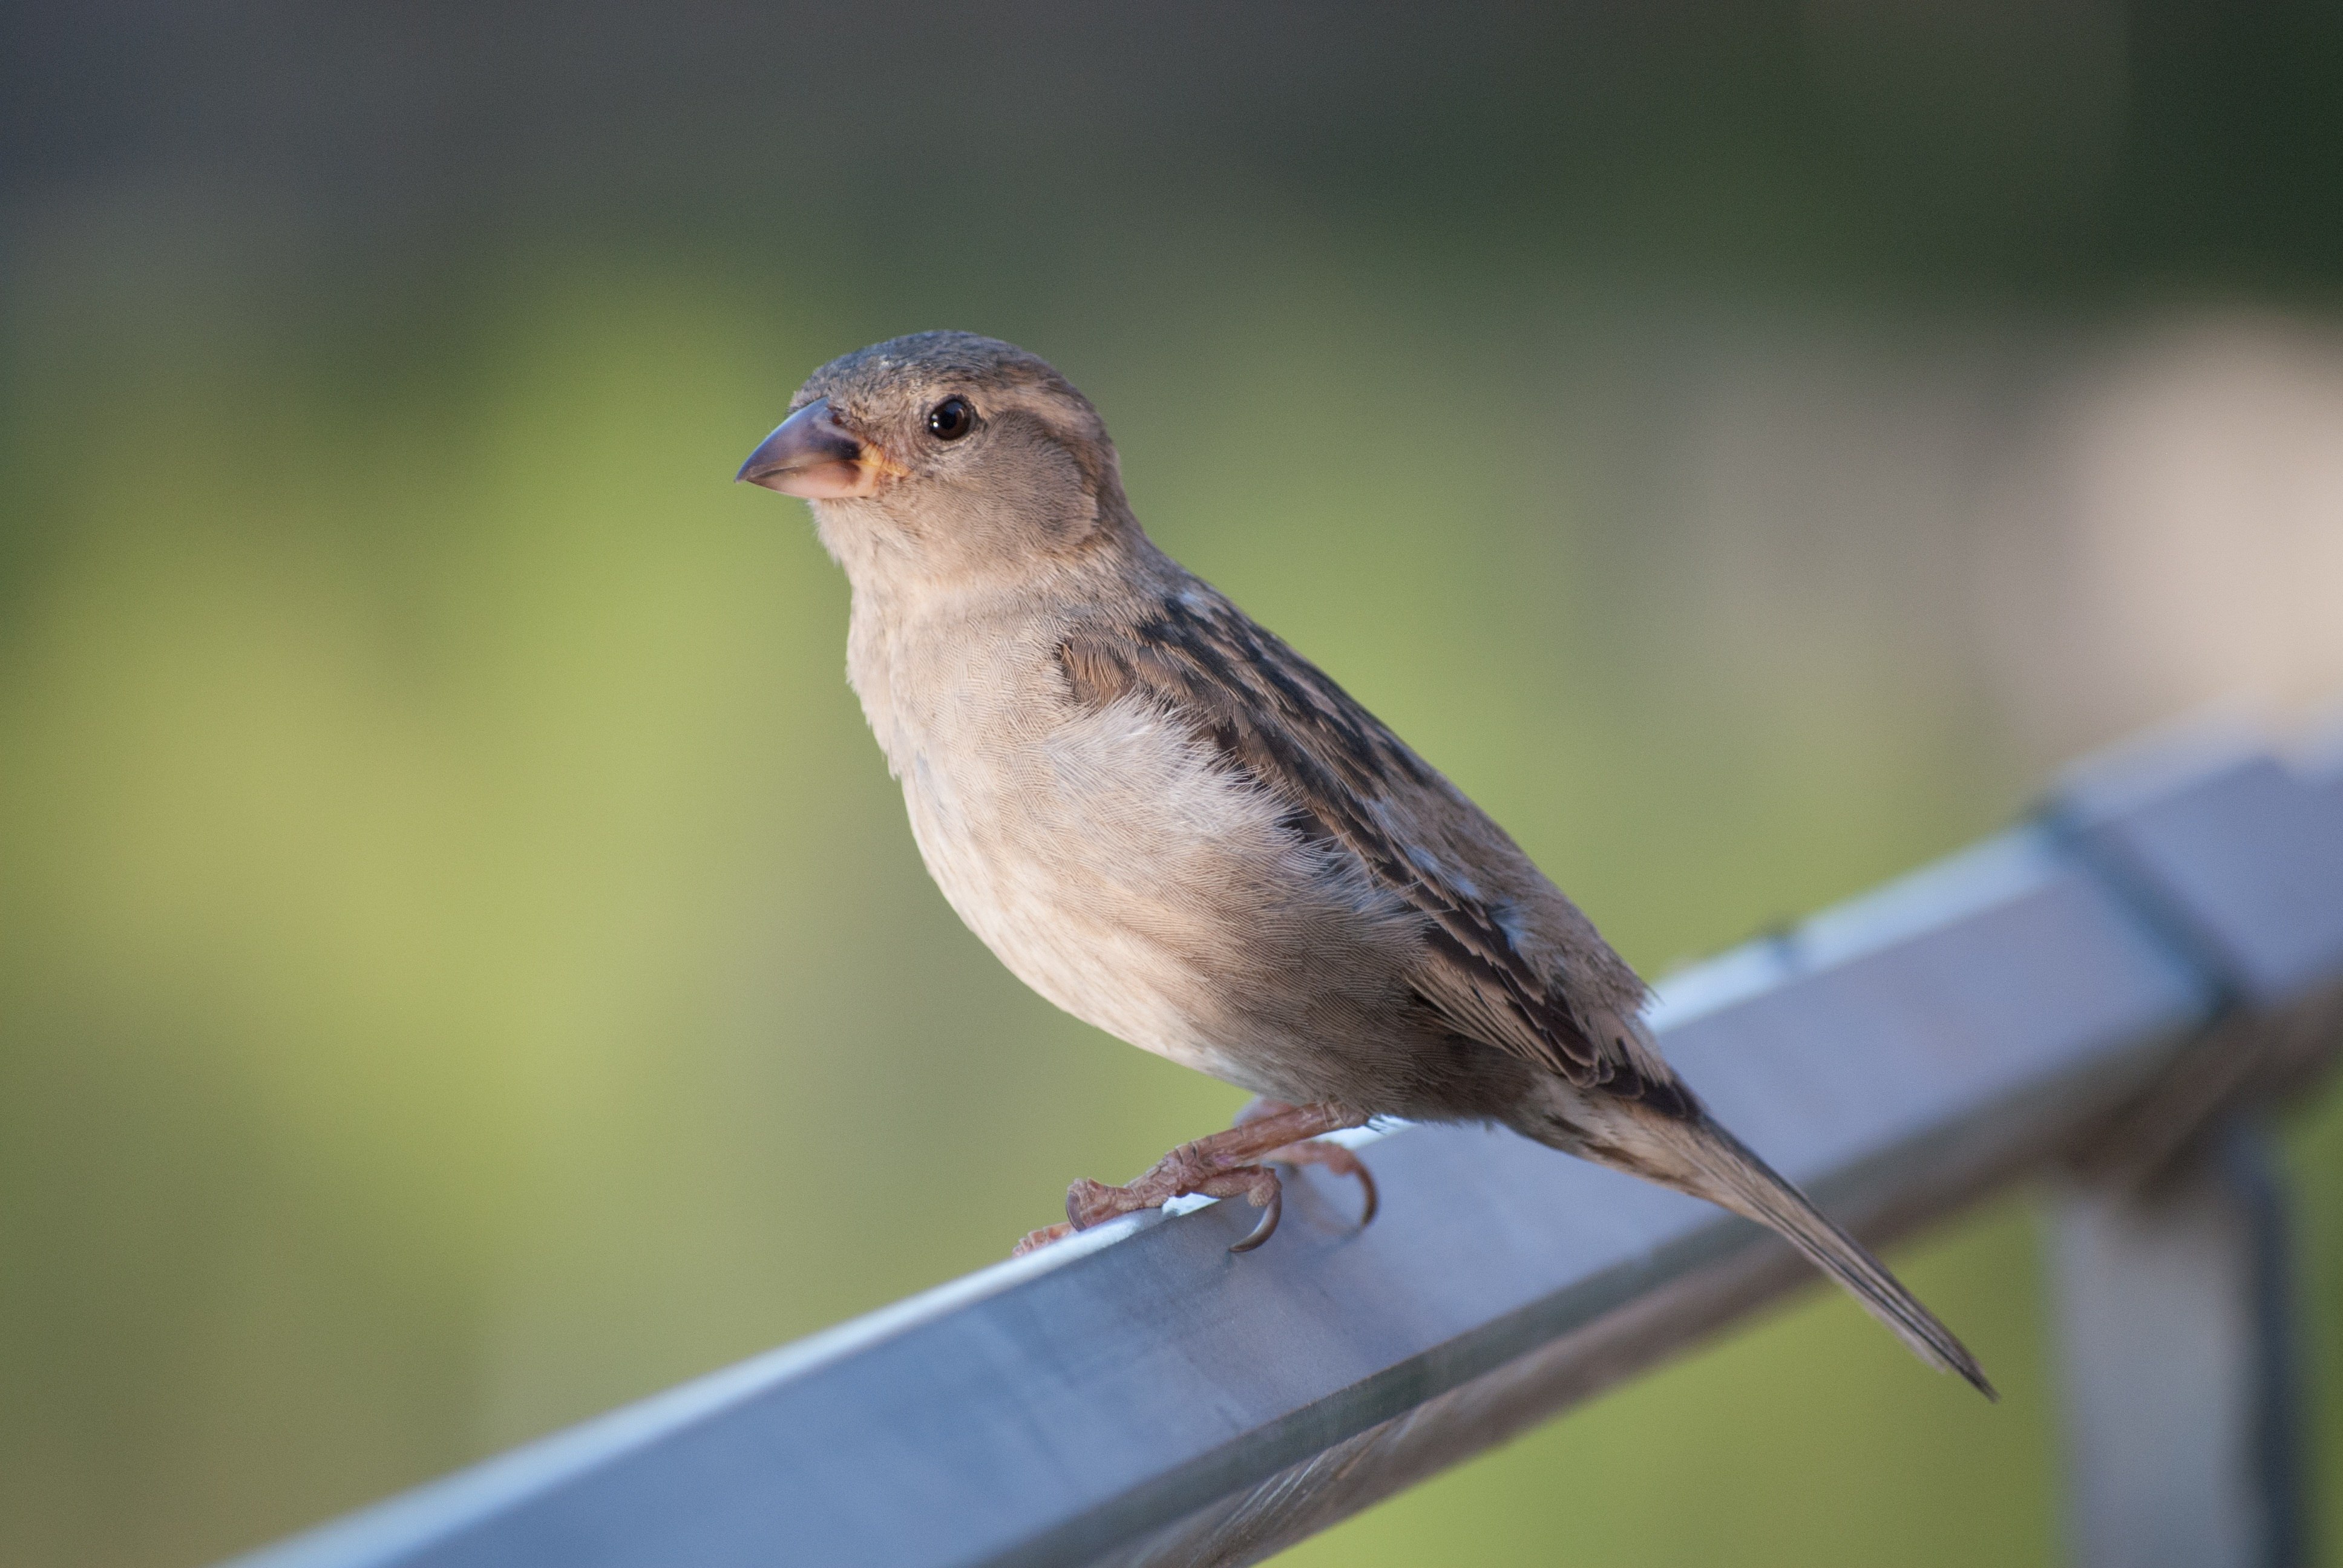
945 453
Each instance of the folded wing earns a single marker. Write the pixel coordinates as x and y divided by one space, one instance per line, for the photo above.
1500 942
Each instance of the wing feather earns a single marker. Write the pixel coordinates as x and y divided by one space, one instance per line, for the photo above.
1350 782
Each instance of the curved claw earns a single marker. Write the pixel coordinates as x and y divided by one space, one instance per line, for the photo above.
1341 1163
1270 1212
1374 1200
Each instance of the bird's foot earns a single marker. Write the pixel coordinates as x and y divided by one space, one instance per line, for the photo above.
1230 1164
1342 1161
1337 1159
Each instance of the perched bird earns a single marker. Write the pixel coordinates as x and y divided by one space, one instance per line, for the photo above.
1176 828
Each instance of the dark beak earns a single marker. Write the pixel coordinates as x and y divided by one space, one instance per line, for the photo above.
811 456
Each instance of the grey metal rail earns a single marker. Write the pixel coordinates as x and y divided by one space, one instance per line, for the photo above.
2106 991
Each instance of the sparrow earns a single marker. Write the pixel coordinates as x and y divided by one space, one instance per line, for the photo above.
1177 828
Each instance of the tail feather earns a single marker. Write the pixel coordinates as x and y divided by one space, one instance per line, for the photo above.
1726 1171
1683 1149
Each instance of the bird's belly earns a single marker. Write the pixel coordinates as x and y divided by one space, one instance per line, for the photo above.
1125 877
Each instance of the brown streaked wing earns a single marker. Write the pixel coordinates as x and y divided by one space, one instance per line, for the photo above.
1282 722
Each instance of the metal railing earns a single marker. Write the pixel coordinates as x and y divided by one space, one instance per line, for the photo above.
2110 993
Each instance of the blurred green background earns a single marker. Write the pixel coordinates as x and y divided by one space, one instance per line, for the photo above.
462 962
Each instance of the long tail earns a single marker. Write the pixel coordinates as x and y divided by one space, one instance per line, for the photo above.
1740 1181
1696 1155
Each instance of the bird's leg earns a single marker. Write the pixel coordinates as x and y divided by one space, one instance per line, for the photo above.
1224 1165
1316 1151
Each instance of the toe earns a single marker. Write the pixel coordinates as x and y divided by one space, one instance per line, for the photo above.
1257 1185
1341 1162
1036 1240
1271 1212
1088 1203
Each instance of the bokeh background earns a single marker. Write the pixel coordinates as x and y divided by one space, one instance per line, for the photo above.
462 964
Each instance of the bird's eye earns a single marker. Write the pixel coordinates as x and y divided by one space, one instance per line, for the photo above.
950 419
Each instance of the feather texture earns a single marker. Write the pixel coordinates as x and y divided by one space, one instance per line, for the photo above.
1496 963
1170 824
